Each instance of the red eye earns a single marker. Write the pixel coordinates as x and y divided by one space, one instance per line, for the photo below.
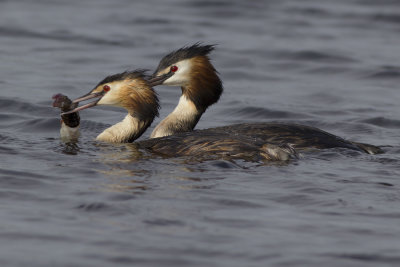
106 88
174 68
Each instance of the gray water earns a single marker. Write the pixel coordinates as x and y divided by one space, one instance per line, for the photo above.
330 64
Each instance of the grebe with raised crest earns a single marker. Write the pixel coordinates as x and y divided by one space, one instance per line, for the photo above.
190 68
131 91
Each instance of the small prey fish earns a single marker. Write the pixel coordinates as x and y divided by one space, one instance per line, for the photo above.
69 122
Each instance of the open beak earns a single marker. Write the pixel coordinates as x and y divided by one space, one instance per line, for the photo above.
157 80
88 105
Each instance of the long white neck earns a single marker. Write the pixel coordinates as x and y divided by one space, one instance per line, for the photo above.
129 129
184 118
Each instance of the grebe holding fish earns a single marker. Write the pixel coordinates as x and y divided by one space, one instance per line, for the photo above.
131 91
190 68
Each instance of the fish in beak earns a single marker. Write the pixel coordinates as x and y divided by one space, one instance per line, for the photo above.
62 102
91 95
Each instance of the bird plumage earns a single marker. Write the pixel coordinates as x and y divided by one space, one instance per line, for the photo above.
128 90
202 86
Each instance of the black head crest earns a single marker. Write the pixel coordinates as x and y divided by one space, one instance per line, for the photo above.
138 73
183 53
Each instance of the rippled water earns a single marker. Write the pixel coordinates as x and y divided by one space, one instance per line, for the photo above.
333 65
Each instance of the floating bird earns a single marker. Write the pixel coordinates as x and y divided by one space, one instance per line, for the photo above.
131 91
190 68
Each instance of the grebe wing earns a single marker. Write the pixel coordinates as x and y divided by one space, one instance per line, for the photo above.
302 137
206 145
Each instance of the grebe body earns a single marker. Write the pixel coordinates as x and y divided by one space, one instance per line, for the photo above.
131 91
190 68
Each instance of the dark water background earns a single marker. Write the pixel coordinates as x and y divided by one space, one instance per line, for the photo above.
330 64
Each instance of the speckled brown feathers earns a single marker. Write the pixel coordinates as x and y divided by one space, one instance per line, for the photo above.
252 142
138 73
202 145
205 87
131 91
302 137
134 93
139 100
202 87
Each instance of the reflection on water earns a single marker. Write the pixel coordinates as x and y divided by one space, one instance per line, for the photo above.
119 185
126 166
120 153
70 148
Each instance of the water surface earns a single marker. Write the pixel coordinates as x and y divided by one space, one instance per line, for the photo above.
333 65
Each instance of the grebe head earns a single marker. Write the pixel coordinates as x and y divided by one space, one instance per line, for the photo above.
129 90
190 68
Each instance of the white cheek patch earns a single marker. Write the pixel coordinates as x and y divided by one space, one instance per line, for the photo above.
107 99
111 98
181 76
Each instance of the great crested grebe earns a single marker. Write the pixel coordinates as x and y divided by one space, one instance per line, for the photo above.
128 90
131 91
190 68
